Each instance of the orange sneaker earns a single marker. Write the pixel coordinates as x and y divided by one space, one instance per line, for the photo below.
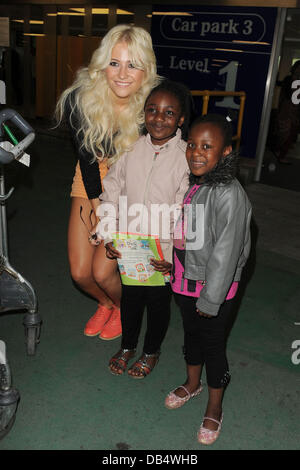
97 322
113 328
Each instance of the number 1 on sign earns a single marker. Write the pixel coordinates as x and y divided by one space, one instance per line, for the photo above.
231 71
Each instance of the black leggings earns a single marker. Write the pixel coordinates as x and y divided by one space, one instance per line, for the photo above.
205 339
134 300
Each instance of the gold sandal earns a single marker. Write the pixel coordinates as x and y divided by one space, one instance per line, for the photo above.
142 365
120 360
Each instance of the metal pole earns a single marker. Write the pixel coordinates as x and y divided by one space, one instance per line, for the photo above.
3 224
270 85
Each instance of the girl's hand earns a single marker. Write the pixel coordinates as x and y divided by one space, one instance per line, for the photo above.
161 265
111 252
203 314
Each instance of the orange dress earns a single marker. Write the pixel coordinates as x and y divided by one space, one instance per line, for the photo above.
78 189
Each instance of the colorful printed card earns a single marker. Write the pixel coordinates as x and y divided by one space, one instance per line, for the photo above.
137 251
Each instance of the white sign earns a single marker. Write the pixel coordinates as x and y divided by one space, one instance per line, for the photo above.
2 92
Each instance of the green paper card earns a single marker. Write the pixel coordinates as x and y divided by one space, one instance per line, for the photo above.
134 266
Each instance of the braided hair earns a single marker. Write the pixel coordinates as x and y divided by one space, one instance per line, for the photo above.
184 97
226 168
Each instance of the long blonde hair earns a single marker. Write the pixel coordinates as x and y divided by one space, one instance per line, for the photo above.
103 132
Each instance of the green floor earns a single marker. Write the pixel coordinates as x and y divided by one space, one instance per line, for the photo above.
69 400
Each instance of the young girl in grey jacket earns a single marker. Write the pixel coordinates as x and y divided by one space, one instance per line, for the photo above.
211 246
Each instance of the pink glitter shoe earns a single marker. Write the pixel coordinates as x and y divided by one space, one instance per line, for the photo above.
173 401
207 436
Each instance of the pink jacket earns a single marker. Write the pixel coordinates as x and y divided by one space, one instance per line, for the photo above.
149 175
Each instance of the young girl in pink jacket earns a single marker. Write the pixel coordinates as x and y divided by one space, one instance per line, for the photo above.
153 172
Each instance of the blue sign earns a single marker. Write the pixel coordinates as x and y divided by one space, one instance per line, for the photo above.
218 48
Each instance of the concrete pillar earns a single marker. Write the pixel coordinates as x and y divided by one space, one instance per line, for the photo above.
112 16
140 16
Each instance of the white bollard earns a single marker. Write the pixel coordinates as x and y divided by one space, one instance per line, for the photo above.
2 92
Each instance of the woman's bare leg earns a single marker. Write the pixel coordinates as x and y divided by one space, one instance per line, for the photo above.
106 274
81 252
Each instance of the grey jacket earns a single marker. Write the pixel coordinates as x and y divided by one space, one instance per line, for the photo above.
226 215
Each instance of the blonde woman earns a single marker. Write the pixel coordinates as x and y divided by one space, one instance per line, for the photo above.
104 107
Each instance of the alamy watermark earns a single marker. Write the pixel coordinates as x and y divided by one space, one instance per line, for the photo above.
295 358
296 93
295 346
155 219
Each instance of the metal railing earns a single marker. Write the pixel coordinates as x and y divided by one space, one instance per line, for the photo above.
206 94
